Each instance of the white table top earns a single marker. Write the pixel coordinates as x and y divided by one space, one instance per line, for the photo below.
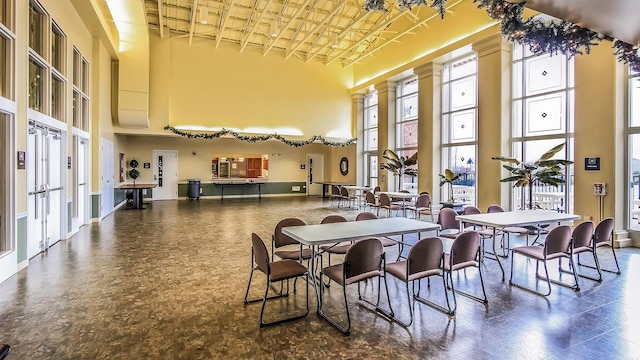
354 230
354 187
517 218
399 195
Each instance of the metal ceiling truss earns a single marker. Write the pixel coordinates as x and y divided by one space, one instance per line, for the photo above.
327 31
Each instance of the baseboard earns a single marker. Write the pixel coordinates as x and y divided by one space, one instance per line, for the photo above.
23 264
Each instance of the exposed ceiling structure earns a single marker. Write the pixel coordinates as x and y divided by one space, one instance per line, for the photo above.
328 31
342 31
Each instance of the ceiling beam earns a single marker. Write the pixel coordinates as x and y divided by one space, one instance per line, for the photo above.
192 26
293 18
400 34
363 14
160 18
383 25
255 26
316 28
223 22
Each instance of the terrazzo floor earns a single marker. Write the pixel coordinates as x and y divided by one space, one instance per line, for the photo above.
168 282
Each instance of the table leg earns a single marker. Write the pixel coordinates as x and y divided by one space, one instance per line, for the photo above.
496 254
259 191
312 271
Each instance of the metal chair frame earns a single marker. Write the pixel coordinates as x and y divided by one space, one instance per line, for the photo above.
473 237
601 237
257 241
558 233
346 266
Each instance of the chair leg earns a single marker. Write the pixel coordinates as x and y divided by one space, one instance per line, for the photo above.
447 310
345 330
286 319
513 283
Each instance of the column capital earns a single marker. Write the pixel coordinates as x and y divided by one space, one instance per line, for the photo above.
358 97
490 45
385 86
428 69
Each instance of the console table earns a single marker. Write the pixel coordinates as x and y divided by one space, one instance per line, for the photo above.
137 193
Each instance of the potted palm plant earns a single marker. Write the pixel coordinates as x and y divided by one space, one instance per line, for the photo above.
400 165
544 171
449 177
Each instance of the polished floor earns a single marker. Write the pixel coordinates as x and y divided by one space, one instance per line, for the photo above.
168 283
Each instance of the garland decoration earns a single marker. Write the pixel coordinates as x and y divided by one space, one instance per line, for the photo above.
256 138
558 36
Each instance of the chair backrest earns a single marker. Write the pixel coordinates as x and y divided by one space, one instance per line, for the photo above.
558 240
370 198
330 219
469 210
424 200
280 239
376 189
260 253
364 256
465 248
603 231
365 215
447 219
495 208
385 200
582 234
425 192
425 255
335 190
344 192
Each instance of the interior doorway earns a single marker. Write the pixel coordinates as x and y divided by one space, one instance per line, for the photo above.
165 174
315 173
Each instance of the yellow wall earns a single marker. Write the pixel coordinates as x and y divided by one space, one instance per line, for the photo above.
210 87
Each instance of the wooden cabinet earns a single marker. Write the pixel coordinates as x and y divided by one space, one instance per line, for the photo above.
254 167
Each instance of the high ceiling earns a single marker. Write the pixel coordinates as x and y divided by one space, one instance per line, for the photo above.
322 30
341 31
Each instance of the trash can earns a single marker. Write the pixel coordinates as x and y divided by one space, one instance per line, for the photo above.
193 189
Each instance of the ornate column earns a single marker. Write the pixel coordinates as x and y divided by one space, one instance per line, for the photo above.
494 119
429 115
386 120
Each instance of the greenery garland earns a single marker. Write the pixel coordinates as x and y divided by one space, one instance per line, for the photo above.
265 137
555 36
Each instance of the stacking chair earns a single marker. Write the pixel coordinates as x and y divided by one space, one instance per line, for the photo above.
4 350
275 271
464 253
449 226
335 195
557 245
601 237
385 203
347 198
278 239
386 241
371 202
376 190
581 242
508 230
483 232
423 203
424 260
364 260
339 249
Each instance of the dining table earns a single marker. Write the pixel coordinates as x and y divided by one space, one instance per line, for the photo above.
401 195
323 234
501 220
359 192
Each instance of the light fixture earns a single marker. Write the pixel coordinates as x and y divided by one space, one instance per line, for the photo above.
378 5
204 14
274 29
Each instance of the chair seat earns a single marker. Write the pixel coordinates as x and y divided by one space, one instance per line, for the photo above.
582 249
386 242
286 269
457 266
449 233
337 249
335 273
537 252
294 254
419 208
516 230
399 270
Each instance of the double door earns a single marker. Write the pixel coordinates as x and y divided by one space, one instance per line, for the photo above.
44 185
